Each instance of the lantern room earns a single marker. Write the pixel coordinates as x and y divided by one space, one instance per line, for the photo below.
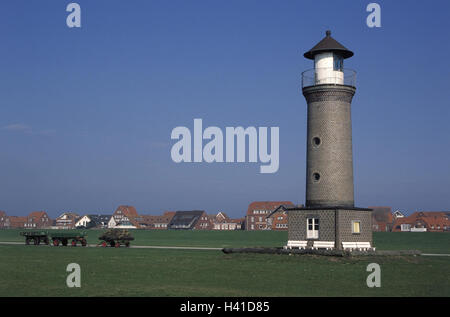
328 56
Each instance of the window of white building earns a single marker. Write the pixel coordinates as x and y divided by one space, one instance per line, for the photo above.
356 227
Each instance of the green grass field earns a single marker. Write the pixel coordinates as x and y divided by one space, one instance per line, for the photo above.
430 242
41 271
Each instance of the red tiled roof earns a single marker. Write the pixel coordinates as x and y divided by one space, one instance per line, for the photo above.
429 219
128 211
223 214
428 214
16 221
169 213
37 214
220 217
149 220
265 205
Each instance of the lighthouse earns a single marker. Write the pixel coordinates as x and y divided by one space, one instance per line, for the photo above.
329 89
329 218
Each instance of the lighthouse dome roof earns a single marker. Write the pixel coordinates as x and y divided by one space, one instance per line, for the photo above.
328 44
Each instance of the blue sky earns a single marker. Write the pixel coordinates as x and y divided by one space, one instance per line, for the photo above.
86 114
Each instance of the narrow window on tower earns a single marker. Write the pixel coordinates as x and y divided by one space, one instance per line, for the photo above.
338 62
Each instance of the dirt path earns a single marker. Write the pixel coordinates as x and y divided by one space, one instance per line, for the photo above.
133 246
182 248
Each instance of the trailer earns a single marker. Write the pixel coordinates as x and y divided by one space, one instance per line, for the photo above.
35 237
57 238
64 237
115 238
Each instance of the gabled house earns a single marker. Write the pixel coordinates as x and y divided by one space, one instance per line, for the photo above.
38 220
4 220
66 220
257 212
221 221
93 221
221 217
16 222
382 218
436 221
422 221
190 220
121 224
277 220
123 217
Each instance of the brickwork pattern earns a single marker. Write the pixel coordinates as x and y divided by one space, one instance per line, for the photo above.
329 119
297 224
334 225
344 225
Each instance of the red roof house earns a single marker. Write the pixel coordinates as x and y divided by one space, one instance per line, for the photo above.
16 222
257 212
436 221
67 220
221 221
38 219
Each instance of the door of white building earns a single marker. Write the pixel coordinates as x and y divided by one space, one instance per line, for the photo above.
312 228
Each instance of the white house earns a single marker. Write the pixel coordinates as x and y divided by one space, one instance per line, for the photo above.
93 221
113 223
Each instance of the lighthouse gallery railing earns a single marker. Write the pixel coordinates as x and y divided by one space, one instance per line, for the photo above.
328 76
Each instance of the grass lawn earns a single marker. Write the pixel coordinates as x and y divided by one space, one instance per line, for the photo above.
41 271
429 242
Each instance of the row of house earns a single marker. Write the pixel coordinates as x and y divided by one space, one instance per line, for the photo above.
125 217
383 219
261 215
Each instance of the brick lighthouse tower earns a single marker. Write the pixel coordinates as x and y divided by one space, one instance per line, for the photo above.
329 91
329 218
